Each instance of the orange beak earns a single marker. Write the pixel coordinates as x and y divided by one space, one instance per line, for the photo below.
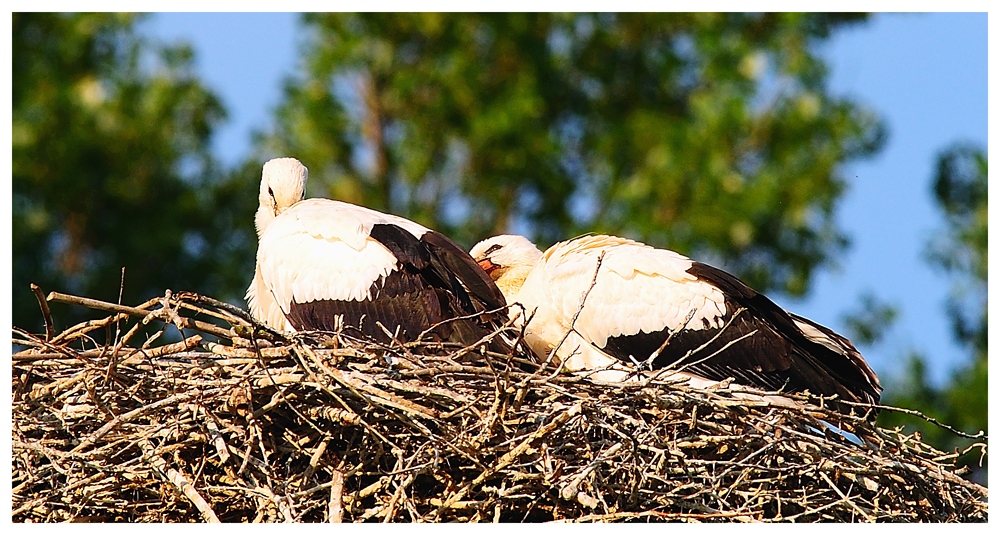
487 265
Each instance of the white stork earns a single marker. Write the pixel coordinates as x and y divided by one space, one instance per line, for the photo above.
325 265
657 308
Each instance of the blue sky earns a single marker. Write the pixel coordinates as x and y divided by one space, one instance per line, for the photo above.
925 73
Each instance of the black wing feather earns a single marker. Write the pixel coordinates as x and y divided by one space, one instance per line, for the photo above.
771 353
430 284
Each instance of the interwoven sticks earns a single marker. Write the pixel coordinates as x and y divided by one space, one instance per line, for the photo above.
324 428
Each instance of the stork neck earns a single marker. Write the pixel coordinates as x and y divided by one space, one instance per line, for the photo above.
511 281
262 218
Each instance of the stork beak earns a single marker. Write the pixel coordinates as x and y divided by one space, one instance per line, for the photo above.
487 265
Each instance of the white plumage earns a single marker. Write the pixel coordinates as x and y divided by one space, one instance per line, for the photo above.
332 238
642 294
322 264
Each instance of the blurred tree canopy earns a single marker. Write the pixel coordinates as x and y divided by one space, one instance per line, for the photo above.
960 187
111 167
712 133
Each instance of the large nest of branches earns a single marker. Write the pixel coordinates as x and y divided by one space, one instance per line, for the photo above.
222 424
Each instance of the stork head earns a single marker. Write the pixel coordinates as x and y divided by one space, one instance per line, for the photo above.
507 259
282 184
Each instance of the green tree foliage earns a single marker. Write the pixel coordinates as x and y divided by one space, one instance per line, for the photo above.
868 323
111 167
960 187
713 134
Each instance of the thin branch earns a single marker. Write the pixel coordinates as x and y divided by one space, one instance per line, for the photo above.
335 511
111 307
46 314
131 415
182 483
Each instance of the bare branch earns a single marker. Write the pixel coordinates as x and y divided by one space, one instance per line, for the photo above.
46 314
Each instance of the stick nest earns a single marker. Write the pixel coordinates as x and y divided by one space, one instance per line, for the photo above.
323 428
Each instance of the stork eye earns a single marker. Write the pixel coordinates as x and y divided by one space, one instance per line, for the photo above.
493 248
270 192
